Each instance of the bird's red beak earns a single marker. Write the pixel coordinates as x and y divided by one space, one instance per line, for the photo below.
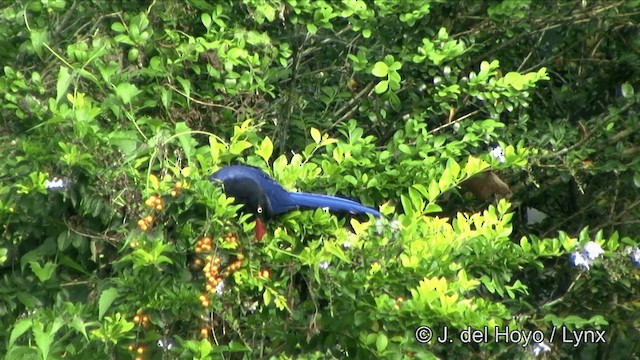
261 229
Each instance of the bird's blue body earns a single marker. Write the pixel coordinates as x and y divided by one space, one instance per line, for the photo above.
263 196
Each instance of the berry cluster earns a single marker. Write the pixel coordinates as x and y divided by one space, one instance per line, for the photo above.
265 273
145 223
139 350
177 188
141 319
205 244
155 202
211 265
398 303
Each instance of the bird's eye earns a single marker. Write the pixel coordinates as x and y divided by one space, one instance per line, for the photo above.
259 209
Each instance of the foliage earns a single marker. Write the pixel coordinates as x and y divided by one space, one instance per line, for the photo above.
116 245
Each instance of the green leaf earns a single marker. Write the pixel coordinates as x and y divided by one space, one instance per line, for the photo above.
118 27
80 326
311 28
38 39
18 329
266 149
126 92
43 273
107 297
380 69
206 20
381 342
266 297
382 87
187 143
627 90
239 146
69 262
126 141
44 339
315 135
64 80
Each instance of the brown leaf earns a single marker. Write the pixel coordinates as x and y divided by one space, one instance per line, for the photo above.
486 184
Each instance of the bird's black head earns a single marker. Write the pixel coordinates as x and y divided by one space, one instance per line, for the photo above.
247 190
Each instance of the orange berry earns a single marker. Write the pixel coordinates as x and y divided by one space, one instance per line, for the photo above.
149 219
131 348
205 304
140 350
159 207
150 202
197 262
202 298
265 273
178 185
240 256
136 319
145 319
204 332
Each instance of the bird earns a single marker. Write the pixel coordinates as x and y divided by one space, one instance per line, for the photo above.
264 198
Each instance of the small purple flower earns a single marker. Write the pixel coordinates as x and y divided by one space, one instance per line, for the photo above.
634 254
592 250
498 153
540 348
579 260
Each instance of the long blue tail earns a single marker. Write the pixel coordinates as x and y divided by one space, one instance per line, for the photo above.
333 203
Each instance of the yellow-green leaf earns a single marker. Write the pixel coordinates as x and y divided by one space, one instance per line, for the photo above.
315 135
266 149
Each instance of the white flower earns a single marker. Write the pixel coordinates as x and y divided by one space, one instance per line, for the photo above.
220 288
395 225
56 184
347 244
498 153
324 265
540 348
580 261
592 250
